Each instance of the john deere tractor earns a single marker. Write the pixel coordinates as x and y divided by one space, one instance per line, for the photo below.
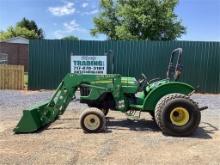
167 100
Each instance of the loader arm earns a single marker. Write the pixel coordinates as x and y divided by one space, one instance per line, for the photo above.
42 114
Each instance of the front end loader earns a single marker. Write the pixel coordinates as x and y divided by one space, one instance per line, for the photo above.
167 100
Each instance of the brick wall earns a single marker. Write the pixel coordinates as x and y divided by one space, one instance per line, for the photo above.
17 53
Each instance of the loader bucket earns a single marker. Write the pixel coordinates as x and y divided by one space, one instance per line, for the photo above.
33 118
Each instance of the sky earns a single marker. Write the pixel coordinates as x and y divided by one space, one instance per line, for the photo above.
59 18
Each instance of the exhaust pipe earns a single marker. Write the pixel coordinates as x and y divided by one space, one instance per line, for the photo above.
203 108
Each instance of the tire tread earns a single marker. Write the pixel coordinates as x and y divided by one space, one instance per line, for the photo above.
162 102
94 111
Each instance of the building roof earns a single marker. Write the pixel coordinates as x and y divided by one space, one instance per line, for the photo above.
18 40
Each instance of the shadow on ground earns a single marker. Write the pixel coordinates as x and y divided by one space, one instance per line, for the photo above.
204 131
134 125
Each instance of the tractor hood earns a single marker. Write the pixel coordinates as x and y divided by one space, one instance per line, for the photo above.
129 84
129 81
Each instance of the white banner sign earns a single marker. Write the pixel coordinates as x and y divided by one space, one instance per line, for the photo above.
89 64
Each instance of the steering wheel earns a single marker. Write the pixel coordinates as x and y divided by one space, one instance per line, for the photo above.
143 82
144 76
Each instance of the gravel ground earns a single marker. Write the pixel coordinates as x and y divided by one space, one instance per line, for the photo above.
124 142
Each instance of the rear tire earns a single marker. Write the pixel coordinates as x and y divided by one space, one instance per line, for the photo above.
92 120
177 115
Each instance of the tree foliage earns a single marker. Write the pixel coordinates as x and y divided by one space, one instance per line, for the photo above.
17 31
73 38
138 19
25 28
31 25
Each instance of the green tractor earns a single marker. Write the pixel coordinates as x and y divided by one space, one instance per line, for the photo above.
167 100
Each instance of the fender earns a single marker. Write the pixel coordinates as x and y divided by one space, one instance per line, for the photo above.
158 92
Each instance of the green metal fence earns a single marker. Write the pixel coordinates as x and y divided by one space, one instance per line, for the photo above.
49 60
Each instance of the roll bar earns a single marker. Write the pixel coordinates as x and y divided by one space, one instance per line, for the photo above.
174 69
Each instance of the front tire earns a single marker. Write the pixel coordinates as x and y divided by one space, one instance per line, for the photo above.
92 120
177 115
